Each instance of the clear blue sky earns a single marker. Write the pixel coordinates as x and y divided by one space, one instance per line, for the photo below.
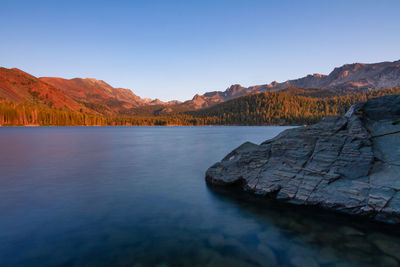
175 49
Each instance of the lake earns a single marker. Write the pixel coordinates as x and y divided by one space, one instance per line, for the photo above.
136 196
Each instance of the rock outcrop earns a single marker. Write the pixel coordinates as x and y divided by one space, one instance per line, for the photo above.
349 164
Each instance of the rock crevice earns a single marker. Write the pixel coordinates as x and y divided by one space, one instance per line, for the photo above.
349 164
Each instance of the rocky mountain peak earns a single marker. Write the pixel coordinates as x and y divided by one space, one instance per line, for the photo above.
347 77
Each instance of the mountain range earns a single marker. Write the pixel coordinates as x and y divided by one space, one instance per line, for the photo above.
345 79
97 97
89 95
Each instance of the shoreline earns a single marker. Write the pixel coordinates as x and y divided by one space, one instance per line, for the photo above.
38 126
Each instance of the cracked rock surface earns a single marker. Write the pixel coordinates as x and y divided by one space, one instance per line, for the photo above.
349 164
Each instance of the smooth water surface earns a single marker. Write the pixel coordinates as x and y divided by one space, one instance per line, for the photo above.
136 196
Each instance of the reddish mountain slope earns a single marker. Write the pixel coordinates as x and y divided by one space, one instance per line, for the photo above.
92 90
19 86
88 95
97 94
102 97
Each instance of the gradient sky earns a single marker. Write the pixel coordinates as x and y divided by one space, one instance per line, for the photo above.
175 49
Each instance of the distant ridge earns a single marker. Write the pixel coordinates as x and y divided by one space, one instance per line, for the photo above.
98 97
345 79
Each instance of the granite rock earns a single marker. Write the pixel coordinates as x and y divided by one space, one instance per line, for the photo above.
349 164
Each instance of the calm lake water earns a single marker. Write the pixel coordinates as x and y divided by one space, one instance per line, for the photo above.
136 196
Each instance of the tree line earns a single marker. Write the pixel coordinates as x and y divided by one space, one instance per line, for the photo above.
283 108
270 108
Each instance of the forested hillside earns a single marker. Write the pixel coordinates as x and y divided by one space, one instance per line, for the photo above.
291 107
349 78
283 108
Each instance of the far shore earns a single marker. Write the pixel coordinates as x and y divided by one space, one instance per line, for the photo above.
33 125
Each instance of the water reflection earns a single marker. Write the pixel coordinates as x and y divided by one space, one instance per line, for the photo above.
136 196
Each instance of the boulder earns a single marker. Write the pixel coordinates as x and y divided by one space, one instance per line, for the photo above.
348 164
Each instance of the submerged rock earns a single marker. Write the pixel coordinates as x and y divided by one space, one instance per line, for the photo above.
349 164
